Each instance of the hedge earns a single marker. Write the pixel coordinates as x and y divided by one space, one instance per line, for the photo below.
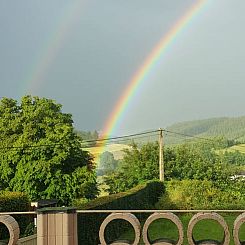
201 194
143 196
13 202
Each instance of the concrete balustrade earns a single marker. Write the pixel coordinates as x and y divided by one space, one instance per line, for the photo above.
169 216
237 225
13 227
58 226
124 216
208 216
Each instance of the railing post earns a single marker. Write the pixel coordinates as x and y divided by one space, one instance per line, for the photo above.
57 226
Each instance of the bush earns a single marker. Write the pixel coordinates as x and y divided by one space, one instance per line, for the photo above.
141 197
13 202
200 194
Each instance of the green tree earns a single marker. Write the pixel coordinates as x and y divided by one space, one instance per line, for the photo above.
137 166
40 154
107 162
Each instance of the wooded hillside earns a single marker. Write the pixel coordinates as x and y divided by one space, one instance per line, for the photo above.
230 128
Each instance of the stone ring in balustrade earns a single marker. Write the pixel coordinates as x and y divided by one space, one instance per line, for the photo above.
210 216
237 225
13 227
124 216
169 216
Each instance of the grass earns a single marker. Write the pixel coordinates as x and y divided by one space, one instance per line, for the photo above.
240 148
205 229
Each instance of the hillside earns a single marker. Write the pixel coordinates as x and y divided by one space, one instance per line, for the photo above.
228 127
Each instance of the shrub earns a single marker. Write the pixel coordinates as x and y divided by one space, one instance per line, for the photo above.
12 202
200 194
141 197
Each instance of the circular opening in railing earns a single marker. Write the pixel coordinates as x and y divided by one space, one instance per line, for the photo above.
12 227
4 233
208 228
239 230
117 223
168 224
241 234
119 230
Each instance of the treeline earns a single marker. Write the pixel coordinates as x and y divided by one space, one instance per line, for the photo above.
230 128
89 137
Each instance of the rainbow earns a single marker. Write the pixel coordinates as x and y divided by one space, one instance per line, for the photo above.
51 48
158 51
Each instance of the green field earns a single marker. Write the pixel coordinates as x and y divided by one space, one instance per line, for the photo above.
240 148
205 229
116 149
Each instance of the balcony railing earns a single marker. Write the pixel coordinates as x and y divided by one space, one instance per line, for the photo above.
58 226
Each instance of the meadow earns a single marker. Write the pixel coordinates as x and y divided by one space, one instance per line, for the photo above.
240 148
116 149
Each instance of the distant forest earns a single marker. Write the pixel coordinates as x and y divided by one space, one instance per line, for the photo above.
231 128
89 136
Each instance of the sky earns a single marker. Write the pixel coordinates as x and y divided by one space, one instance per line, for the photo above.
83 54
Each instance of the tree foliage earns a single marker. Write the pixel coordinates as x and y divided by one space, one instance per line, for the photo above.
197 161
137 166
88 136
201 194
107 163
39 152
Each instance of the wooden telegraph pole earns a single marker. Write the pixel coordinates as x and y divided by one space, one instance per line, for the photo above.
161 163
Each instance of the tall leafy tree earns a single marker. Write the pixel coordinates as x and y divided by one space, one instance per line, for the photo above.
40 154
137 166
107 162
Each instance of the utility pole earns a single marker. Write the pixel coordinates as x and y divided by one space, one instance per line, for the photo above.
161 163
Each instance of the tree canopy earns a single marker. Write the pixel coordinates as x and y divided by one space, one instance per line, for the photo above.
107 162
198 161
40 153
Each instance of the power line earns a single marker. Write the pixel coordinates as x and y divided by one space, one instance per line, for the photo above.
120 140
117 139
120 137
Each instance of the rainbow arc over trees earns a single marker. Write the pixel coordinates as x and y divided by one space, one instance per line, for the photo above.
140 75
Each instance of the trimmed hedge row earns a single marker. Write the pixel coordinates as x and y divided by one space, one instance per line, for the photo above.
13 202
143 196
